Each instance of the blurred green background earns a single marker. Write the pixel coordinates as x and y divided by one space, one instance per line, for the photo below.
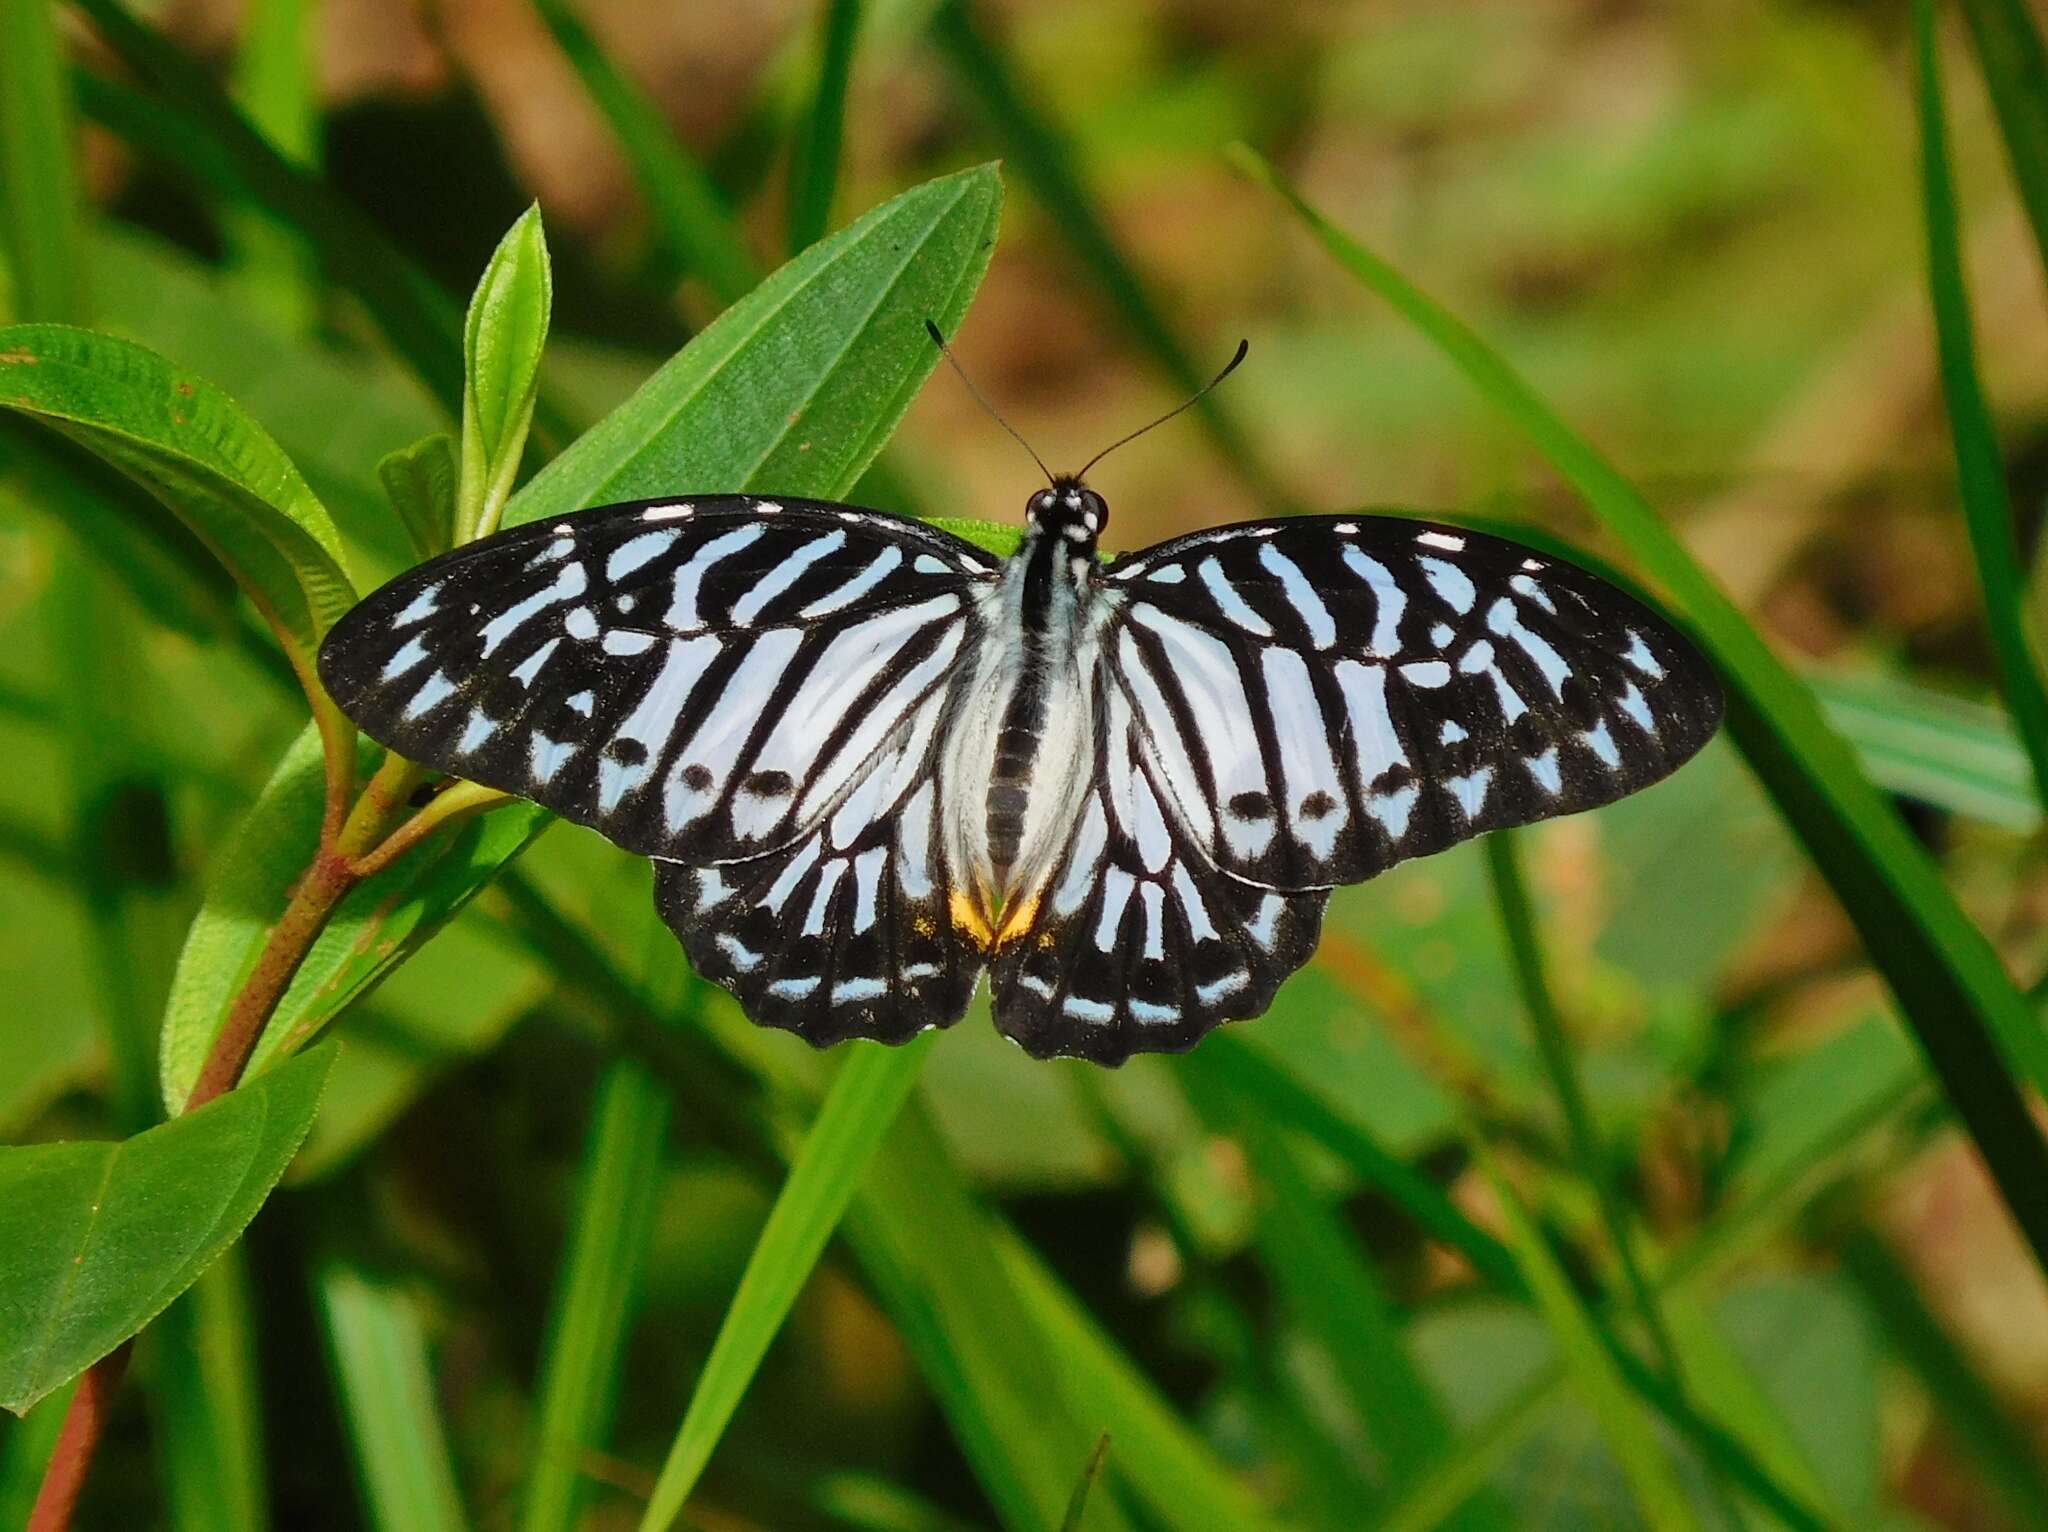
1697 229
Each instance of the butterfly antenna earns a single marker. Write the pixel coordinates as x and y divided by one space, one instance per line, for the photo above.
1228 368
982 399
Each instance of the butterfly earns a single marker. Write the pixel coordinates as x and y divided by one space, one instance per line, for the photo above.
872 762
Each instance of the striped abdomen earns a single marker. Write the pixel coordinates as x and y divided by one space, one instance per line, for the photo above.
1009 788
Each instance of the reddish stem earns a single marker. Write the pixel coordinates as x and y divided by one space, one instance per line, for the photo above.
84 1421
290 940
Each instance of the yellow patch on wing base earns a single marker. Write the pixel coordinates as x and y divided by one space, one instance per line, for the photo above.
1017 919
969 919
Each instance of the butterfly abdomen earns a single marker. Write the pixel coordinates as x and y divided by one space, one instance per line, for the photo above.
1009 790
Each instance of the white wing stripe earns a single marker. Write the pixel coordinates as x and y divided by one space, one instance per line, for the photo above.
784 575
1322 627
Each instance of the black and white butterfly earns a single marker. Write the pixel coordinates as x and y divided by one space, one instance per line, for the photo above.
871 760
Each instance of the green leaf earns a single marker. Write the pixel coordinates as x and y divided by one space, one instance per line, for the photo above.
1976 1029
793 389
864 1100
38 172
1953 754
2015 66
421 483
1623 1420
502 340
588 1319
96 1239
814 158
387 1397
199 453
1980 466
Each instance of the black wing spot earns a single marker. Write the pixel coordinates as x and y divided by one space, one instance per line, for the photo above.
1393 779
1581 704
1532 734
1251 806
628 752
1318 805
769 784
696 777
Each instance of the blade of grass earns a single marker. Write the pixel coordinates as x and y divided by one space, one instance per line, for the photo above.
865 1098
1477 1454
1076 1507
1975 1028
1525 953
693 226
1159 1454
587 1322
2015 65
1334 1295
386 1384
1724 1383
926 1246
205 1407
1263 1083
1034 146
1622 1419
1980 466
1969 1412
38 177
274 85
814 157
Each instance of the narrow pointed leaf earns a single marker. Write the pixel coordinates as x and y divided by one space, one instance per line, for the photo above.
865 1098
502 340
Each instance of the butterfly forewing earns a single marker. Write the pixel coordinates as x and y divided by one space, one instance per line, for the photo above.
699 680
1323 697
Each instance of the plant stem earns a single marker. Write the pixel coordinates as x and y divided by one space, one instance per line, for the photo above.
452 805
84 1420
284 950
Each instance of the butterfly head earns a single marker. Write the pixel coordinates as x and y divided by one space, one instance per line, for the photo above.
1069 509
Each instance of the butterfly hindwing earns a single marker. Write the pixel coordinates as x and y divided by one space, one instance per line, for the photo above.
846 933
1326 696
698 680
1136 942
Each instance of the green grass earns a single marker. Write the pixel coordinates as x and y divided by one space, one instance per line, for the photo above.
1573 1185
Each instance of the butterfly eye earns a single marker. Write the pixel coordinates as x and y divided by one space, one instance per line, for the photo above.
1095 509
